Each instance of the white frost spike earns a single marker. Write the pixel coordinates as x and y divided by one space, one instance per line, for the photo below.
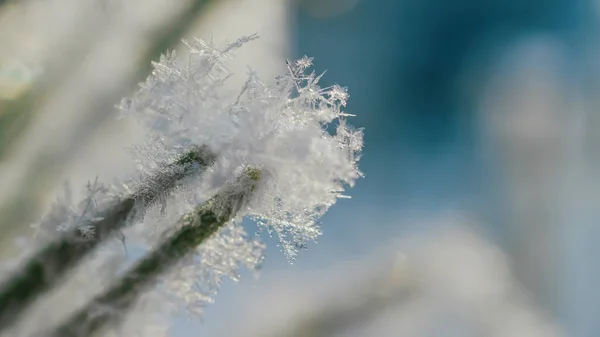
196 280
65 216
280 128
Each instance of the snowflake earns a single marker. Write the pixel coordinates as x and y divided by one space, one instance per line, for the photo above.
304 63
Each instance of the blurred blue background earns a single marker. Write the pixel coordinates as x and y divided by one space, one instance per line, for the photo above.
415 70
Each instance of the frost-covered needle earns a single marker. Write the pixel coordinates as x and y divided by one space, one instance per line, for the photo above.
50 264
193 229
291 130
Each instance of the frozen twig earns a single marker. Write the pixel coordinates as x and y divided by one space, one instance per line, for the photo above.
194 229
51 263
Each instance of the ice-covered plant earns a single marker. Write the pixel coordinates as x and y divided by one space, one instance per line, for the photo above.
281 128
287 142
101 214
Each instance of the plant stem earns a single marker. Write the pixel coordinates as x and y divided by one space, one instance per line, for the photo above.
42 271
194 229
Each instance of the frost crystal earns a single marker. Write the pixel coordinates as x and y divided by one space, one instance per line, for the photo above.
292 133
65 216
197 279
281 128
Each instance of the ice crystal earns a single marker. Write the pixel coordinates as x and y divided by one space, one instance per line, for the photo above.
281 128
158 178
65 215
291 136
196 280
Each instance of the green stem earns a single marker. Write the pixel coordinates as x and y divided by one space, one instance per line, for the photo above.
50 264
194 229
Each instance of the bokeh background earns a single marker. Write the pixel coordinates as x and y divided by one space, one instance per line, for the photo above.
478 215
